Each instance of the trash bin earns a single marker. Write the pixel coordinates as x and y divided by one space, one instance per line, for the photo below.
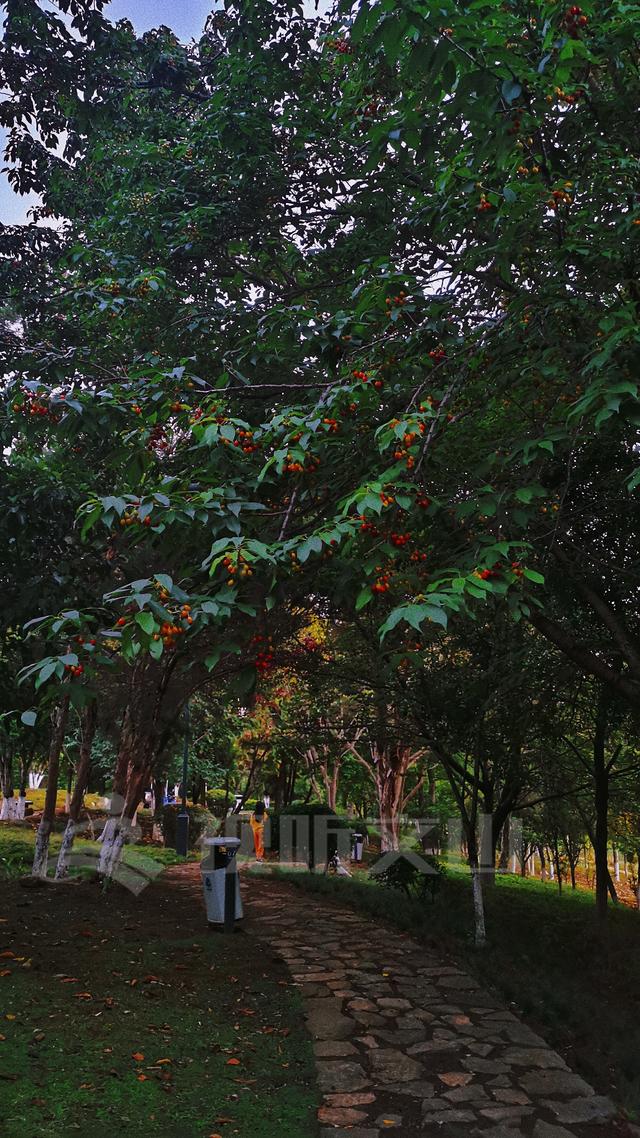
221 853
357 846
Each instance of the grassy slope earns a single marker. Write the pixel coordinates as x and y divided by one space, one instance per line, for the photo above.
17 842
544 955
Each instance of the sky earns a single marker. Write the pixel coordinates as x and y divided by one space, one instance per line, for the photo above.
185 17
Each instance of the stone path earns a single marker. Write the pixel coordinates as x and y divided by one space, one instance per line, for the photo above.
407 1043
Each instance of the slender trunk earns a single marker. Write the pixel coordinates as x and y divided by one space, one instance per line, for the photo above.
543 863
389 821
601 802
616 864
8 808
76 802
480 930
505 843
432 786
558 865
58 726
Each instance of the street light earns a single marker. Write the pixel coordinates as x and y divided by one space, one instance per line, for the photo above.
182 821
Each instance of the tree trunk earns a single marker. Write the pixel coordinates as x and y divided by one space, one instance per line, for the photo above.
58 726
543 863
558 865
505 842
480 930
88 729
616 865
133 772
601 802
8 809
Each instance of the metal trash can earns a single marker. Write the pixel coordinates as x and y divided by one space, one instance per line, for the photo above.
357 846
221 852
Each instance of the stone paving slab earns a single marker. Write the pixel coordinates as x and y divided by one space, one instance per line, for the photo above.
409 1044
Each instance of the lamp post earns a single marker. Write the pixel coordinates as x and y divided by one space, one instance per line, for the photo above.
182 821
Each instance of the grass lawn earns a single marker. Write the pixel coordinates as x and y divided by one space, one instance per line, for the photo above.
125 1014
544 956
16 855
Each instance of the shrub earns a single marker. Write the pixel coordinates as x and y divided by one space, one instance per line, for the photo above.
200 820
407 877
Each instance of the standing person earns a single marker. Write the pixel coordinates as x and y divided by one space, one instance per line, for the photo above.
257 821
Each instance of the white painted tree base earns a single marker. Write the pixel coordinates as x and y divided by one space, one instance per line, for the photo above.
9 809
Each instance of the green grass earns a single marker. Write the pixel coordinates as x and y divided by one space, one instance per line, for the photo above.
146 982
17 843
544 955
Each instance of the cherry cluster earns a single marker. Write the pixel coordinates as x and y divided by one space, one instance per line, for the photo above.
34 407
575 21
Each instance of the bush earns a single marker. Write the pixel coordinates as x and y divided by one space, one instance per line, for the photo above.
216 802
407 877
200 820
305 849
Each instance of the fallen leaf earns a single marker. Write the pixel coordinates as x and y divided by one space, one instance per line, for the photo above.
233 1062
83 995
5 971
7 955
141 1078
138 1056
2 1038
159 1061
69 979
9 1015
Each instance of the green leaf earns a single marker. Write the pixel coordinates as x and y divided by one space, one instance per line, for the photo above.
363 598
146 622
156 648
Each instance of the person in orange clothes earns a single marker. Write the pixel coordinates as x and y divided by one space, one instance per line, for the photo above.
257 821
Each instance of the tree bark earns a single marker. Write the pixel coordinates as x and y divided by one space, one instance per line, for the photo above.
601 802
480 930
88 729
58 727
